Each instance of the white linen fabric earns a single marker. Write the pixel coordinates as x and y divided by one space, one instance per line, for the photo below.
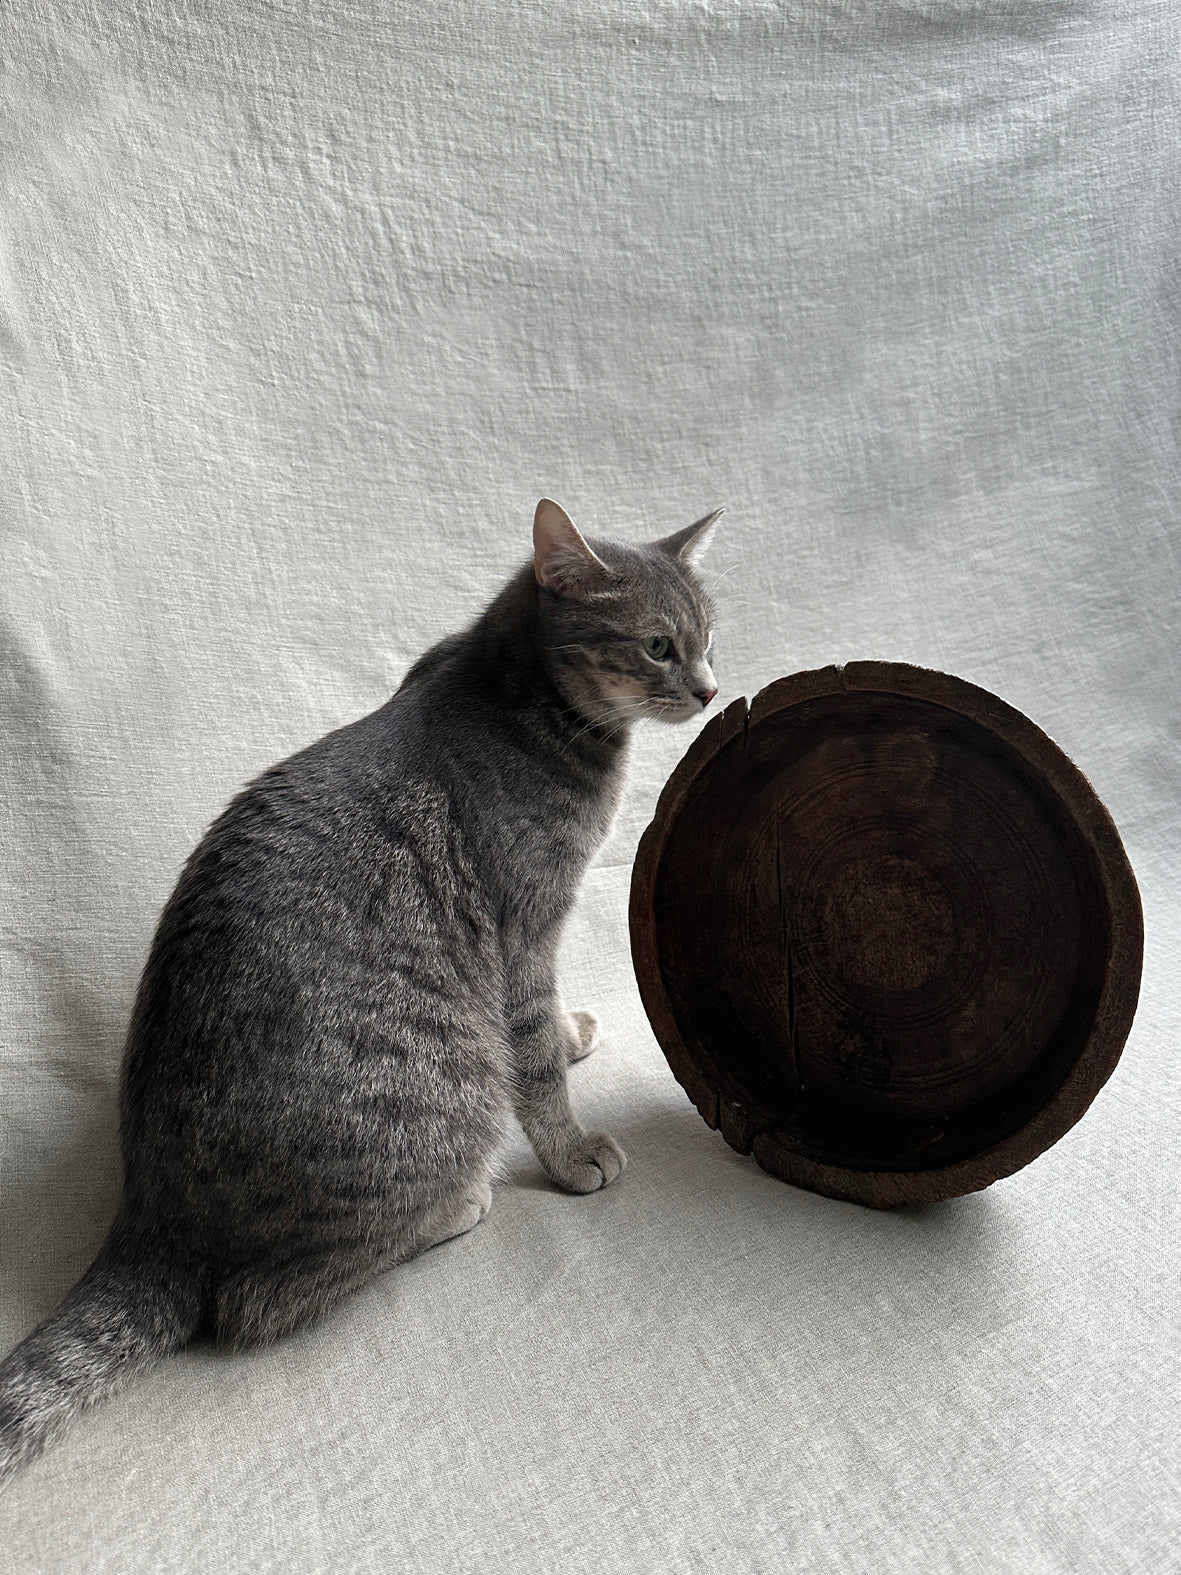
301 309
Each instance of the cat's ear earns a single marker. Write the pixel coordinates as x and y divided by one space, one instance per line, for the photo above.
688 544
562 561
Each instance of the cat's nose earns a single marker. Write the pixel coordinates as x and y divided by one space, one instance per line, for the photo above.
705 696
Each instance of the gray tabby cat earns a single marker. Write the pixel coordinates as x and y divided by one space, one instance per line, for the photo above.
353 983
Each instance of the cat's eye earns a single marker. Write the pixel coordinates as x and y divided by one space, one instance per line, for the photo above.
656 646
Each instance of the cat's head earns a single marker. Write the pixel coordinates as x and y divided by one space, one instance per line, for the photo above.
626 630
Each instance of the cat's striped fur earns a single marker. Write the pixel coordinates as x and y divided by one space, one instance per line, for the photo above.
353 983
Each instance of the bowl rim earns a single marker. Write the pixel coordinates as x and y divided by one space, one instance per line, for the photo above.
1119 993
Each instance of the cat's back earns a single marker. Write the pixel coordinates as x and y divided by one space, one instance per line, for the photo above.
306 880
316 820
335 810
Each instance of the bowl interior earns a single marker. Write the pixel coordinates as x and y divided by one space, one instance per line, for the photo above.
879 931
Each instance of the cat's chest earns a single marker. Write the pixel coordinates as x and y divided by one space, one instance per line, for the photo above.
557 834
568 841
547 840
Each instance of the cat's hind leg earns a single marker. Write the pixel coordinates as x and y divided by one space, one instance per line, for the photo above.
268 1300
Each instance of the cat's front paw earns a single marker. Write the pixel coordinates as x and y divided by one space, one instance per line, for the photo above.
593 1163
584 1034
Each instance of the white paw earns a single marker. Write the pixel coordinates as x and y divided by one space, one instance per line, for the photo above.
480 1198
585 1026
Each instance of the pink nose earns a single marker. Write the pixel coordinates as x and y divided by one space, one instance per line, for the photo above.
705 696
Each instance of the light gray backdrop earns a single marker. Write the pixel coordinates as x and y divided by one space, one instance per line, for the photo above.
302 306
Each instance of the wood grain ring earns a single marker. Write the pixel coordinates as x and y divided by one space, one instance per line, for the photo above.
885 932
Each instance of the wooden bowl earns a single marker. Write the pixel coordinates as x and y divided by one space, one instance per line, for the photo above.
885 932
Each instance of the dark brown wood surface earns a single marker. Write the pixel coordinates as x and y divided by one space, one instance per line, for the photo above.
885 932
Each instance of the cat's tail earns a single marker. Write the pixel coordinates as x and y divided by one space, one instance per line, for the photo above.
126 1313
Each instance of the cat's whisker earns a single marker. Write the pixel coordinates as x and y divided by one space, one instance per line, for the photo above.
627 720
627 710
620 719
734 567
